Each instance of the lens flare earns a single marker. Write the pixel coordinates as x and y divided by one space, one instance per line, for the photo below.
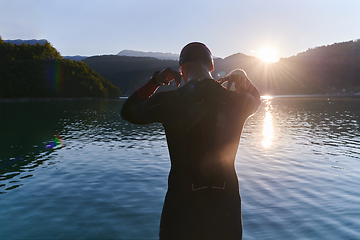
58 141
54 76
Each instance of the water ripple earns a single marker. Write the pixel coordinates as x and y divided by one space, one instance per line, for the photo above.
109 178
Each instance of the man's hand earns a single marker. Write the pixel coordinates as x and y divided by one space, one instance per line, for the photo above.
239 78
167 75
242 83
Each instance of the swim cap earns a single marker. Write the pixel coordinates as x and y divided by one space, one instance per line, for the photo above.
195 51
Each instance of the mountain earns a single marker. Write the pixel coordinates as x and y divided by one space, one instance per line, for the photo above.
128 73
332 69
76 57
31 42
158 55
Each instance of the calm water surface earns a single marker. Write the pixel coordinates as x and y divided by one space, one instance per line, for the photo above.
298 166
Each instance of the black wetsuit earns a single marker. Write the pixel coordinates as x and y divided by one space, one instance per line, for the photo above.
203 123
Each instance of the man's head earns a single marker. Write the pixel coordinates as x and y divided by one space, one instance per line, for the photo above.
196 54
195 51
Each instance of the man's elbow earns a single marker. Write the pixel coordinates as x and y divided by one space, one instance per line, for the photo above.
125 114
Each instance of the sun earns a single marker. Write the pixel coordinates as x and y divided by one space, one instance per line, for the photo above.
268 54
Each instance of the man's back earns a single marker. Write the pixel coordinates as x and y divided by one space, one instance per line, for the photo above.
203 123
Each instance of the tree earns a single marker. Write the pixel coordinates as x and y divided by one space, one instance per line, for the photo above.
40 71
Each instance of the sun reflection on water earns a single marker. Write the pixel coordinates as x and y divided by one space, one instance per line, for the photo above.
268 128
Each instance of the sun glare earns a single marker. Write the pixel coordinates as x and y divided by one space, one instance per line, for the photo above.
268 128
268 55
266 97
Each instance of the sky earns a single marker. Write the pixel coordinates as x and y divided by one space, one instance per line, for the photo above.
87 27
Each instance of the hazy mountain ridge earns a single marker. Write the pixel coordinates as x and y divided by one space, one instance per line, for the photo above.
129 53
76 57
158 55
31 41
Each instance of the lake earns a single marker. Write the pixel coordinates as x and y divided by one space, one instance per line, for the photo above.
76 170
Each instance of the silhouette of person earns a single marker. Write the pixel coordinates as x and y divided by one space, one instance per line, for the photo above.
203 121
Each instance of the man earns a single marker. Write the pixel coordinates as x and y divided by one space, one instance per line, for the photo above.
203 123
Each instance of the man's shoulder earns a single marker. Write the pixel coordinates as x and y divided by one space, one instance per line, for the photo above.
206 88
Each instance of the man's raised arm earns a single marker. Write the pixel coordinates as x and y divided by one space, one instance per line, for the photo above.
242 83
134 110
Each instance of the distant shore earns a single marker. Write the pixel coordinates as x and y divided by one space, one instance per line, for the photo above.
355 95
2 100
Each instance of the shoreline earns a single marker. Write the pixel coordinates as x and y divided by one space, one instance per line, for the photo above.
2 100
316 96
5 100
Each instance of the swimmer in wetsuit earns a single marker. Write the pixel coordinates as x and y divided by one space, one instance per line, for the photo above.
203 122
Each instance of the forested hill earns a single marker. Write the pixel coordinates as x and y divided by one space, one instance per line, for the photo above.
333 69
128 73
38 71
